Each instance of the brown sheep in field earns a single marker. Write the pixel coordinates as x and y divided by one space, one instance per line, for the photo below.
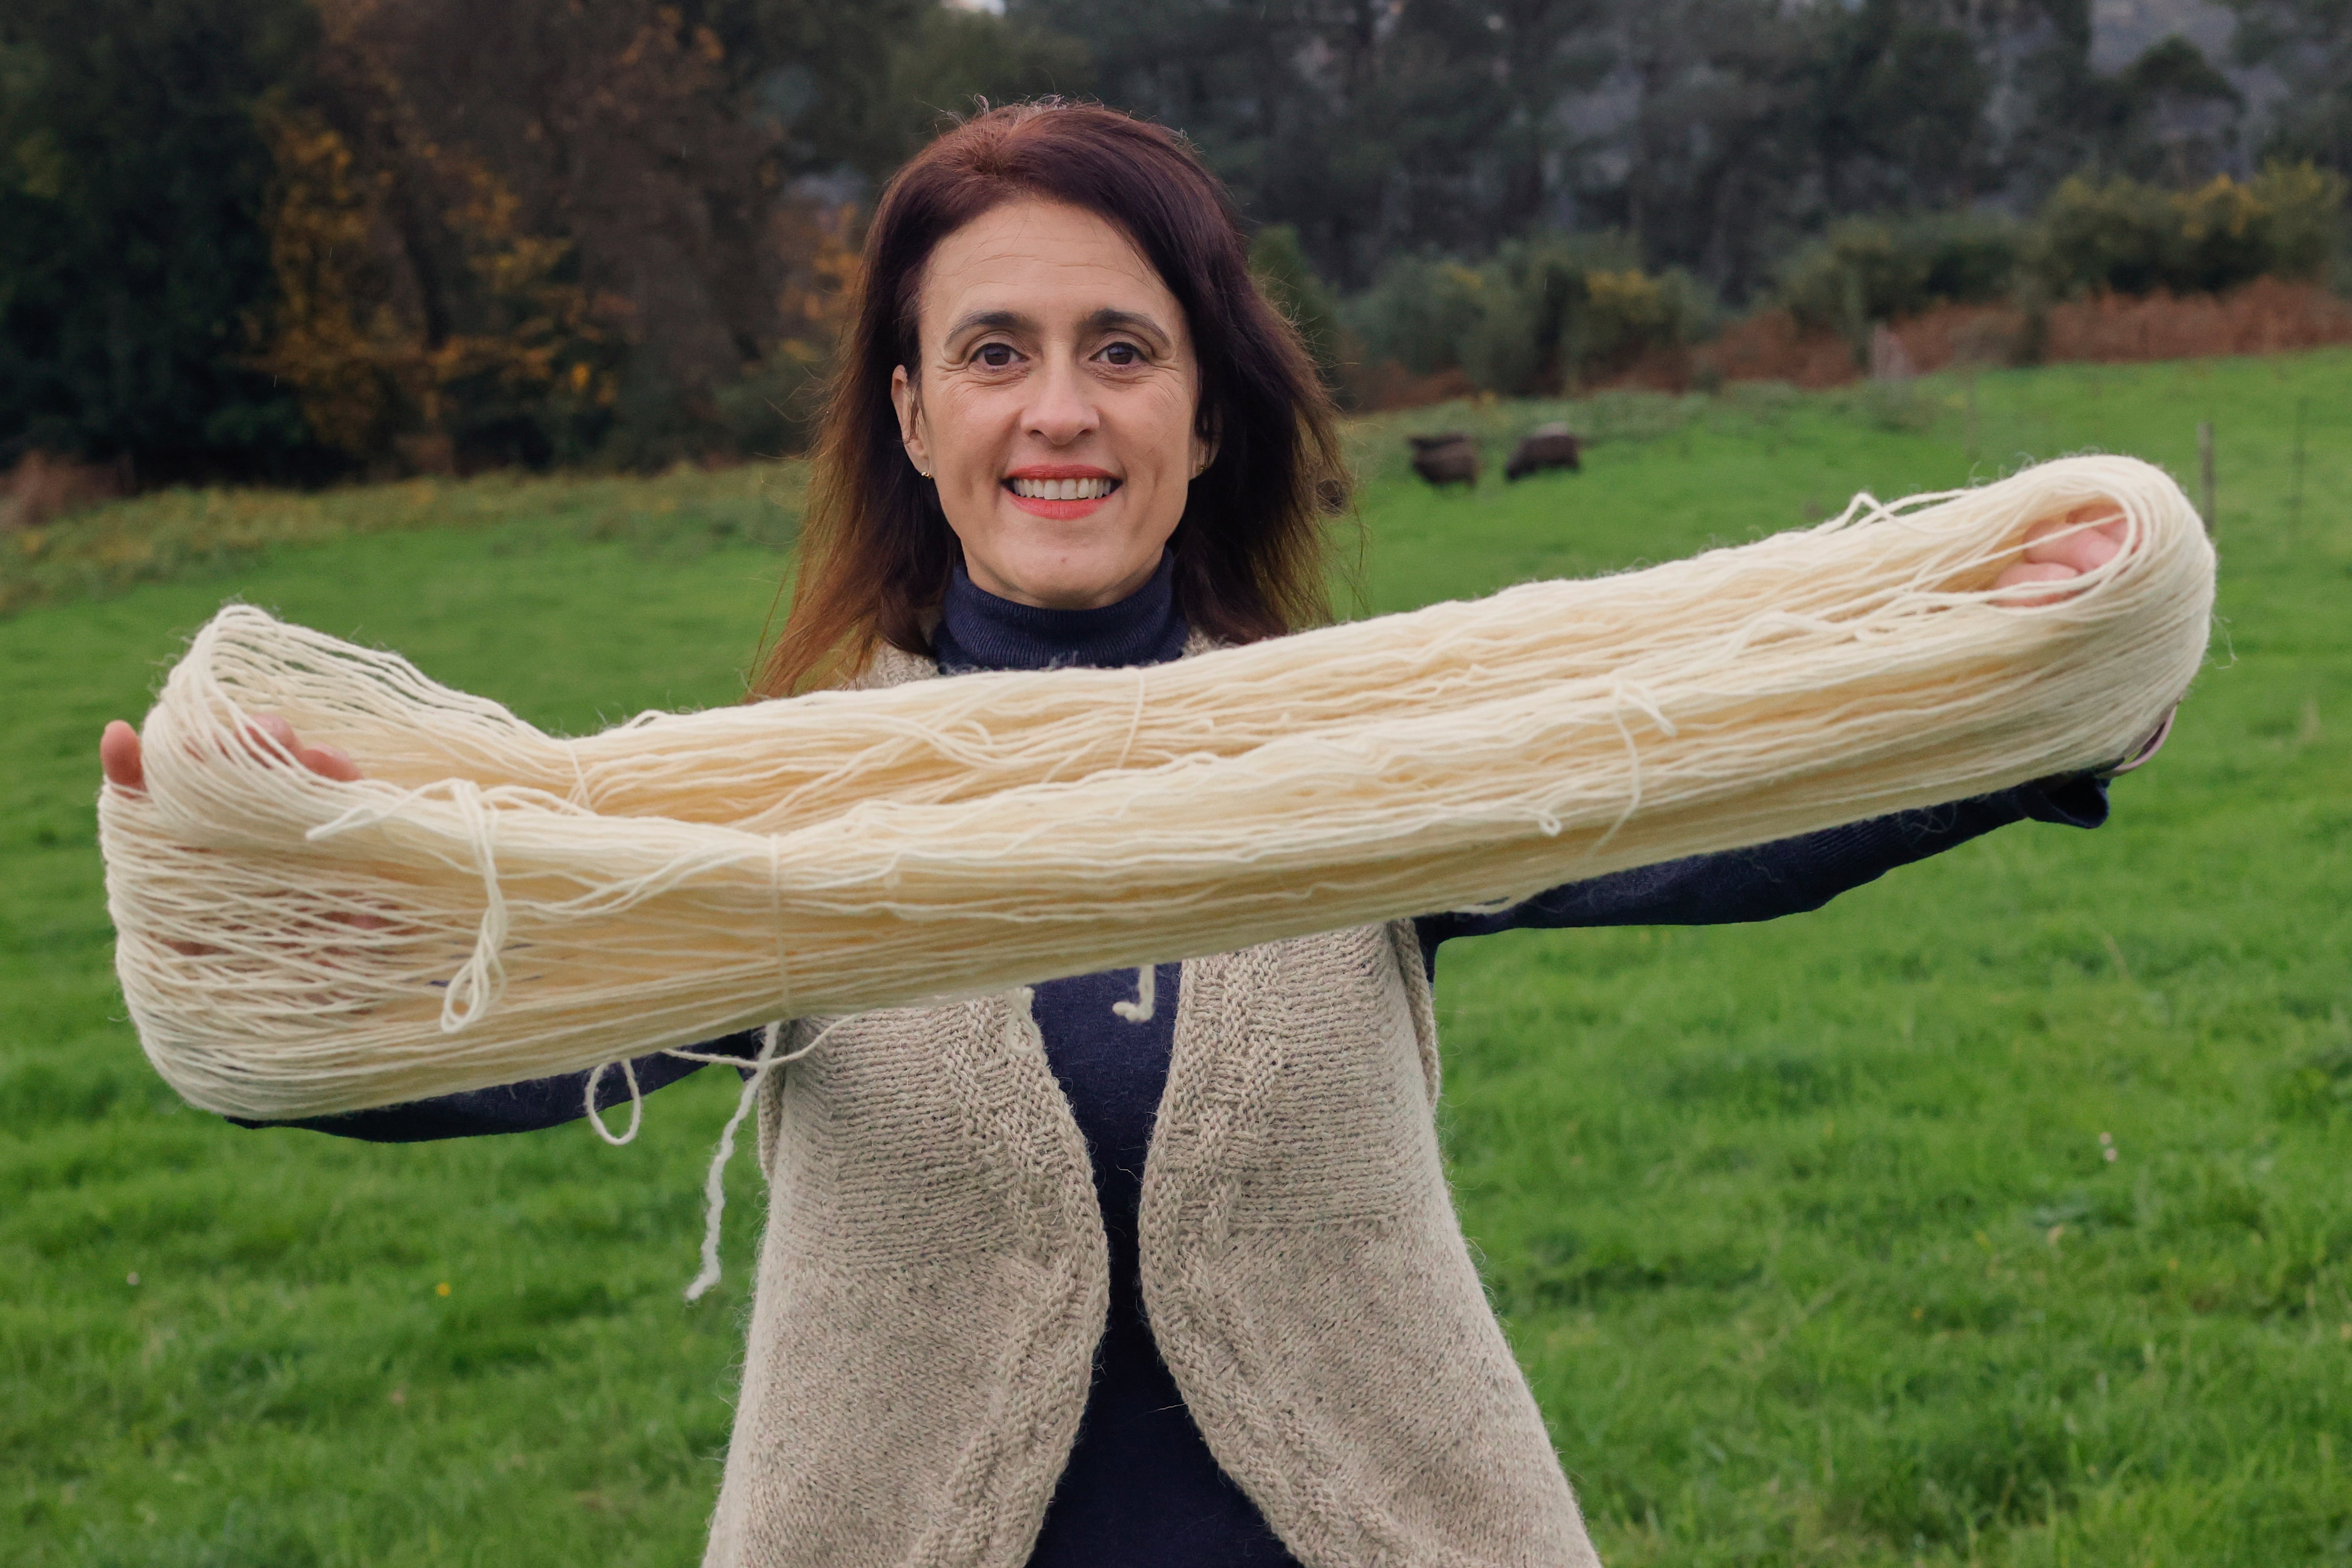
1448 459
1546 447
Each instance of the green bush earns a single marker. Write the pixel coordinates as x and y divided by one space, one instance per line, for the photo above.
1540 314
770 411
1629 311
1513 332
1868 269
2126 237
1417 312
2122 236
2119 236
2304 219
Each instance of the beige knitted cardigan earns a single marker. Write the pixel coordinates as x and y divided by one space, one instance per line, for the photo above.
933 1281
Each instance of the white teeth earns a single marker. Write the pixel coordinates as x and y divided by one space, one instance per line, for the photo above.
1063 489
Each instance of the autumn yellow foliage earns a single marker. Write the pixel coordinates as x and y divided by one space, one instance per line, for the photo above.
375 362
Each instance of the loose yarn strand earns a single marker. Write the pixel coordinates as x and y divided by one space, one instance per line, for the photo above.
1135 723
776 915
714 1183
579 794
636 1103
1618 694
1147 995
476 988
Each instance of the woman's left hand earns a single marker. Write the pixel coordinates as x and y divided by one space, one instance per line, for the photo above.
2058 549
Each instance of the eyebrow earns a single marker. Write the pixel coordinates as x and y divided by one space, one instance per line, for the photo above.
993 321
1107 319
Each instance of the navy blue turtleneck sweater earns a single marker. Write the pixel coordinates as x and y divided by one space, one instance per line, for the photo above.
1141 1489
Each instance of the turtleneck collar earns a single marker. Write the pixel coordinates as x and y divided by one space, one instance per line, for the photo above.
978 631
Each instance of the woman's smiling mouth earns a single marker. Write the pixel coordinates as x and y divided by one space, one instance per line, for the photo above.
1058 492
1062 489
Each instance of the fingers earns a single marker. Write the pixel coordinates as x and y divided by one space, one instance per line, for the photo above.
2059 549
2085 540
2025 572
119 757
2078 552
2034 571
268 734
329 762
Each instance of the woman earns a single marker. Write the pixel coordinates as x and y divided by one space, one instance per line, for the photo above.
1057 1277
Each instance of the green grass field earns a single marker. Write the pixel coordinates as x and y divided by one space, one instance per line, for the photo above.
1806 1233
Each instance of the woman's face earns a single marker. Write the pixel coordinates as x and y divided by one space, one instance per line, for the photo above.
1054 405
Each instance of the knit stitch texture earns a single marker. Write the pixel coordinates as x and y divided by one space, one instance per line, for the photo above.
933 1281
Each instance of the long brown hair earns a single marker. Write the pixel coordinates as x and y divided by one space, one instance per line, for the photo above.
1251 551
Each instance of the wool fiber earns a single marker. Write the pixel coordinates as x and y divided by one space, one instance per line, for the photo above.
491 902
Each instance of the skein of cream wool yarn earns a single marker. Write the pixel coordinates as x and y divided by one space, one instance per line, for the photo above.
491 903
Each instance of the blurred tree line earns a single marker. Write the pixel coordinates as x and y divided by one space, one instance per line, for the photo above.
295 238
298 239
1715 134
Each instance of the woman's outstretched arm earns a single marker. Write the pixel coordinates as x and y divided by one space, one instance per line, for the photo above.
1793 875
510 1108
1786 877
516 1107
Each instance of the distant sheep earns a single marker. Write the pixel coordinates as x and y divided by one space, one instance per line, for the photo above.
1451 458
1546 447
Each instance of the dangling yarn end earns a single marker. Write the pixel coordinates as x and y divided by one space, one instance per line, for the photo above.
1147 995
1618 694
474 989
636 1103
714 1185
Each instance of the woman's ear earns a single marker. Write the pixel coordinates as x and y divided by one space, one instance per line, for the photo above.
1204 447
904 397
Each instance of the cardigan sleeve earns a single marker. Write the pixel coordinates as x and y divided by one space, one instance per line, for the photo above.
514 1107
1788 876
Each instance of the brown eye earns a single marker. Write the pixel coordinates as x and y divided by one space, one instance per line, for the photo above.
995 356
1123 354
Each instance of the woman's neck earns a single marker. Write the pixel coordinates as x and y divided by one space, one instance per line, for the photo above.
979 631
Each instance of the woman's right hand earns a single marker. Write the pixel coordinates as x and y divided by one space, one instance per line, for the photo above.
119 755
119 752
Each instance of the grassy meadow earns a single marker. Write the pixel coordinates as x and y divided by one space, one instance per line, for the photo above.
2000 1213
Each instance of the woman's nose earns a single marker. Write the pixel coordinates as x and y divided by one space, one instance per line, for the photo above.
1062 409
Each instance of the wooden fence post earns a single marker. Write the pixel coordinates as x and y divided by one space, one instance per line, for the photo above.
2205 470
